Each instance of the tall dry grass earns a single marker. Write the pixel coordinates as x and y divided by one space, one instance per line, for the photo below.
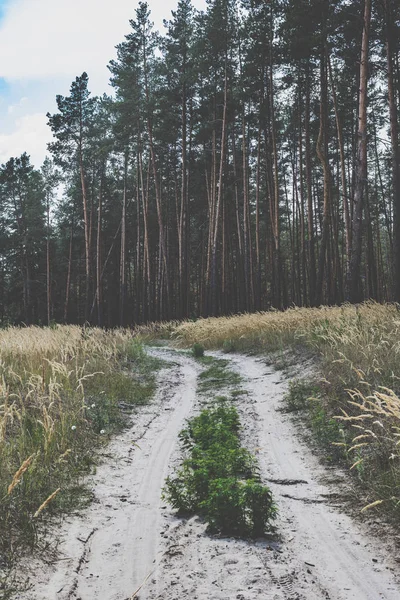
272 330
61 391
359 350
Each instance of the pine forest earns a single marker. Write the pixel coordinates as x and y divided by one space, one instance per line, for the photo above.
245 158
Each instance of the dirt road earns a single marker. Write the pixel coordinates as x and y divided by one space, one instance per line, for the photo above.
129 537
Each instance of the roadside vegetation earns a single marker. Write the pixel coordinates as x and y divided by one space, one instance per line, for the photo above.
355 400
217 375
218 478
63 390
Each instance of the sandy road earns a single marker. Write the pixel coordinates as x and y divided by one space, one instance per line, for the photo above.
317 552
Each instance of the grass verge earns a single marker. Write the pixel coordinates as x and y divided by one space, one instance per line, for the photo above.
63 390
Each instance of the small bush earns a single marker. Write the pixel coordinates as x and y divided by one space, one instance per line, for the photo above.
228 346
197 350
218 479
297 398
240 507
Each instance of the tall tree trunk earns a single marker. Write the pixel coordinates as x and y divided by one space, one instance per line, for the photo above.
68 285
122 270
163 248
274 206
361 164
86 230
394 138
218 201
48 286
346 211
98 257
310 208
182 245
323 157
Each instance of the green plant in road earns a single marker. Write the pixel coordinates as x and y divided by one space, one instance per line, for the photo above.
197 350
219 479
218 375
239 507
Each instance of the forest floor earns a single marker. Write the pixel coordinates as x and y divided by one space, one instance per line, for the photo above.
129 538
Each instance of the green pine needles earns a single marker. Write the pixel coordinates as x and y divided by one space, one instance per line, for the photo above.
219 478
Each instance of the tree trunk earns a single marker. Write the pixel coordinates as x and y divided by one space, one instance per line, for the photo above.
68 285
361 165
394 138
48 286
310 208
122 270
86 229
98 257
322 155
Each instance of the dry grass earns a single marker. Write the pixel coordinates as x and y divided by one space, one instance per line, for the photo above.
60 395
271 330
359 348
161 330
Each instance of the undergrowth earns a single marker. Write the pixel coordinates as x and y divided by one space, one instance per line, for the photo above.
62 392
218 478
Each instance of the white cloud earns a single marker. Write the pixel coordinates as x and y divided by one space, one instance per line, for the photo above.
31 134
52 38
47 38
45 44
13 108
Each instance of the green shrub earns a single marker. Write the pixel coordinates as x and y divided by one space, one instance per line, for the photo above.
219 478
217 425
228 346
197 350
239 507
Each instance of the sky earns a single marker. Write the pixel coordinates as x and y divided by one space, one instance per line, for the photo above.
44 45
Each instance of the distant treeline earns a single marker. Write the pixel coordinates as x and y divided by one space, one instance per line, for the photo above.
249 158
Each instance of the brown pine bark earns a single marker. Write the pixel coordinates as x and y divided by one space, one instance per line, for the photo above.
274 205
122 270
68 284
346 210
394 138
323 157
48 285
310 207
99 294
361 165
86 230
217 211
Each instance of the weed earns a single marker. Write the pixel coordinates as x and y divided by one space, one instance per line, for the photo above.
197 350
218 375
218 478
238 507
306 397
300 391
228 346
238 392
